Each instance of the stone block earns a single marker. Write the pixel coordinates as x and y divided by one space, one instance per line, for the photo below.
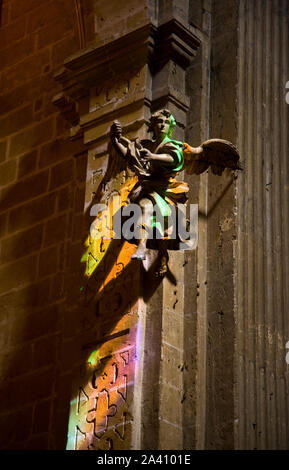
63 256
46 14
78 229
57 150
13 32
65 199
171 407
45 351
28 298
31 212
61 174
15 121
7 172
27 164
33 326
21 244
79 198
48 262
21 8
16 51
59 438
31 137
3 223
174 295
136 20
38 385
172 328
4 333
5 14
55 230
13 434
41 418
196 14
24 190
49 35
170 437
81 167
57 287
3 148
19 96
18 273
26 70
171 366
63 49
17 362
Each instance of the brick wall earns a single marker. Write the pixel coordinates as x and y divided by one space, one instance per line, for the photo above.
41 196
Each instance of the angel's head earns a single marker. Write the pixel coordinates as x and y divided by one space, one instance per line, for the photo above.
162 124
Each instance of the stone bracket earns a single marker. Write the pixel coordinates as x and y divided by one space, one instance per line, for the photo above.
174 41
68 108
105 63
100 64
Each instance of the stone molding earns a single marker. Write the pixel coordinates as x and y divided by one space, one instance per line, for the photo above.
100 63
174 41
105 63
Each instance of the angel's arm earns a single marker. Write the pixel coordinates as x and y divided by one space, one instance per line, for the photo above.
119 147
193 150
160 157
215 153
119 142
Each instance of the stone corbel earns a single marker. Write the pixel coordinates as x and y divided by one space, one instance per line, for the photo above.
68 108
175 48
174 41
101 64
106 62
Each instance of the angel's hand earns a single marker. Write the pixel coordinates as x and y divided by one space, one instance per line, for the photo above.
115 130
146 154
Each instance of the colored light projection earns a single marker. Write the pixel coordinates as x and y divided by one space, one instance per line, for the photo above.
100 412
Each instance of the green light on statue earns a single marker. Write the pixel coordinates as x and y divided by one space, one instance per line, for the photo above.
93 358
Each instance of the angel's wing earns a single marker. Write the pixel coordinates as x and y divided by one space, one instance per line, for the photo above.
216 153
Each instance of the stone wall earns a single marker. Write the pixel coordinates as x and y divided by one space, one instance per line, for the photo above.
42 192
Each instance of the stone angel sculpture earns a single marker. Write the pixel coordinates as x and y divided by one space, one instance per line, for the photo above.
156 162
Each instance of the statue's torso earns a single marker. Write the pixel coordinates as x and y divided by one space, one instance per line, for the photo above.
165 169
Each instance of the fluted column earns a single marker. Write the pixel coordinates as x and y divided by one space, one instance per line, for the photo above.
262 249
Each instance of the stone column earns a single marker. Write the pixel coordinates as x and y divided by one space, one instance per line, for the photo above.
168 375
221 234
262 253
